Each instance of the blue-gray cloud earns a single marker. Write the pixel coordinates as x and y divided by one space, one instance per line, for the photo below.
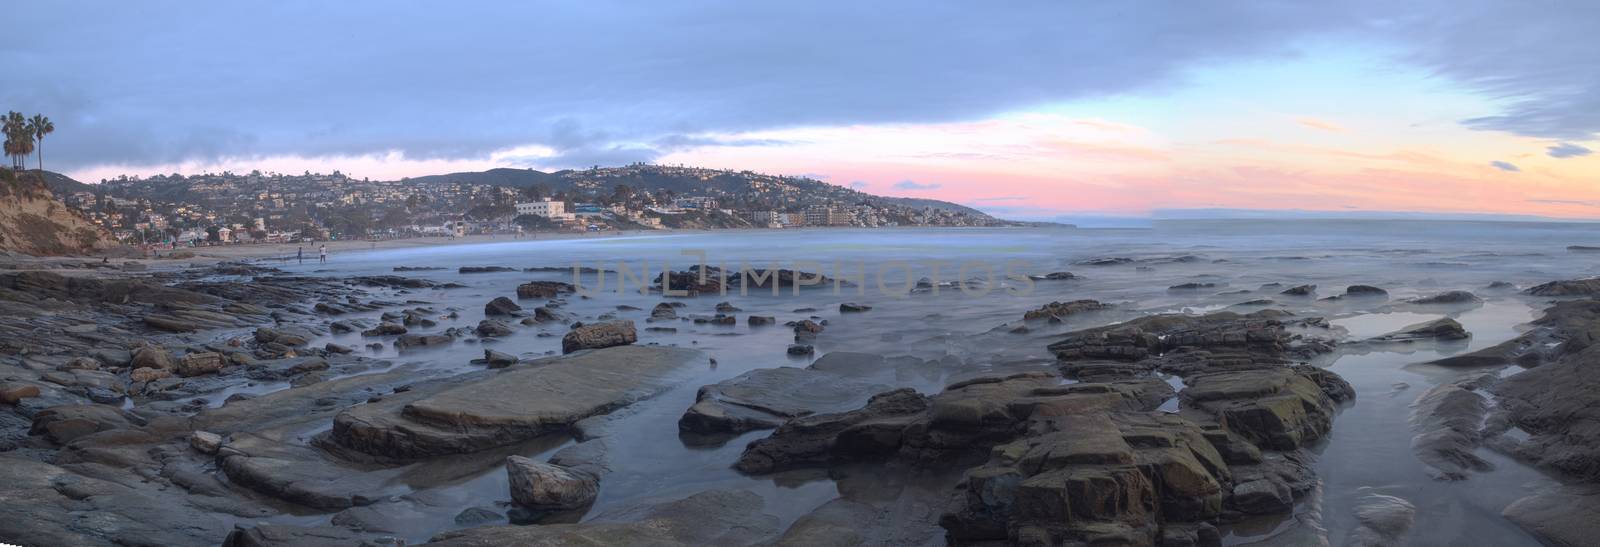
914 185
1505 166
141 83
1568 150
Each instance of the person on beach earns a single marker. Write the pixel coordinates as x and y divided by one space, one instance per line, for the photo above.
323 252
300 254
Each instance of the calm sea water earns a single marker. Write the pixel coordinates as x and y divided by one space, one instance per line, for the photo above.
1368 451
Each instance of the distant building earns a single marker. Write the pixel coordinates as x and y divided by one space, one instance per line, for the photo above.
705 203
546 208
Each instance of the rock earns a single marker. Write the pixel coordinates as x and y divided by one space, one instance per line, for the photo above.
265 534
664 311
80 363
484 269
1275 408
1448 298
801 349
1301 290
63 424
196 364
813 440
1107 261
155 357
476 516
288 336
761 320
714 517
1365 291
12 393
490 328
852 307
331 347
1063 309
1442 329
408 342
1262 497
1384 521
149 374
385 329
765 398
501 407
170 323
1566 516
544 487
204 442
599 335
501 306
725 307
496 359
1192 286
543 289
1571 287
1055 276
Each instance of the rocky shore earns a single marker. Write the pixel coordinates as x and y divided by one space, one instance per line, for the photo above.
205 393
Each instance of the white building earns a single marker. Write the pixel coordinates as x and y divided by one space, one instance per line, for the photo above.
545 208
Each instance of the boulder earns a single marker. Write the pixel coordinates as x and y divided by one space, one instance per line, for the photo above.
501 306
496 359
385 329
543 289
852 307
1063 309
421 341
1448 298
1567 516
1301 290
801 349
149 374
490 328
1443 329
205 442
1365 291
155 357
63 424
543 487
599 335
196 364
761 320
1571 287
664 311
12 393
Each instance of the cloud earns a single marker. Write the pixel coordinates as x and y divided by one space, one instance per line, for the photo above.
638 79
914 185
1568 150
1000 198
1580 202
1323 125
1505 166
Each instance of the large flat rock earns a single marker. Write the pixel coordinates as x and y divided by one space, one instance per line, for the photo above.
713 517
765 398
512 404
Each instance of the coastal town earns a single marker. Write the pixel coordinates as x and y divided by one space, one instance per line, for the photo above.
256 207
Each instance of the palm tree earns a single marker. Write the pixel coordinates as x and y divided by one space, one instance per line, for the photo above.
41 126
14 126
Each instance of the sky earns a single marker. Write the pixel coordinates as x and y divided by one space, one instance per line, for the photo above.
1022 109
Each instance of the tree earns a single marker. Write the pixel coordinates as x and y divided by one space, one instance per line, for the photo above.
19 139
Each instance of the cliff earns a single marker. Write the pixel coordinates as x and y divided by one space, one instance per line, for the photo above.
34 222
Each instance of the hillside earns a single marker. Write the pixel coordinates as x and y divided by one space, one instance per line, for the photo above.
34 222
743 190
